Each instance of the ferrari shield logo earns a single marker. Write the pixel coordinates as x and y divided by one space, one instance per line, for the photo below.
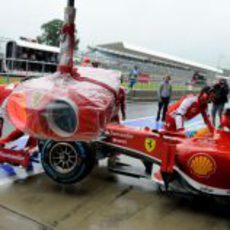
150 144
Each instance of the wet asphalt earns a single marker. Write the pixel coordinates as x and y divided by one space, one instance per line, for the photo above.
107 201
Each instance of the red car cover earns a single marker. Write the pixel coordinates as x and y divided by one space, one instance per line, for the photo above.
61 107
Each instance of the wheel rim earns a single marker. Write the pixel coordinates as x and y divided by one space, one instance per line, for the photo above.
63 158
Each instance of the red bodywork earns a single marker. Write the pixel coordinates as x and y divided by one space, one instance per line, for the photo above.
5 91
203 162
15 157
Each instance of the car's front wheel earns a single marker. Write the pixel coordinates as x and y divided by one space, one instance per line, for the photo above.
67 162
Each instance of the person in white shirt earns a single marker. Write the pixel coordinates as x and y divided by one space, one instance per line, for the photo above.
164 96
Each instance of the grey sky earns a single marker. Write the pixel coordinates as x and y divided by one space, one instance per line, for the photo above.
196 30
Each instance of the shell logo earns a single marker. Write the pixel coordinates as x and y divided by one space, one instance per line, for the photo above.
202 165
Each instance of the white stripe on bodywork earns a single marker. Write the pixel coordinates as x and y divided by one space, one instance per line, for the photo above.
201 187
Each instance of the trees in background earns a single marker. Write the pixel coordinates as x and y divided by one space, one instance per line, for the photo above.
51 33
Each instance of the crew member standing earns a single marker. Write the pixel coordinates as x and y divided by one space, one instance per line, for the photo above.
164 96
221 91
133 77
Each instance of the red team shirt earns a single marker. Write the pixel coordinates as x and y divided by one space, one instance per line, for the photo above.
185 109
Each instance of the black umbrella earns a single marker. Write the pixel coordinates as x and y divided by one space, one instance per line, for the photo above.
71 3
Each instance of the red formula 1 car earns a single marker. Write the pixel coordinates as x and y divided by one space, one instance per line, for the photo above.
199 165
74 110
196 165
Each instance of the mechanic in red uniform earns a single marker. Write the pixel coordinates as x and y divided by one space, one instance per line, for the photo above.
16 134
187 108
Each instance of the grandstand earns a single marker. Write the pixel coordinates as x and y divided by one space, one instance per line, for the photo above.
123 56
25 57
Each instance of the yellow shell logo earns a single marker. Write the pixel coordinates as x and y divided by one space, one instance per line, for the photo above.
202 165
150 144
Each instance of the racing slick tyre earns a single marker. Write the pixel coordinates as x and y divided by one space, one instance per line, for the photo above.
67 162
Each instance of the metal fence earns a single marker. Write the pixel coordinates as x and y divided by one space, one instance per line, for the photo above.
13 67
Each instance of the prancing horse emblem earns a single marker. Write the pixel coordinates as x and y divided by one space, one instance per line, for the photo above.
150 144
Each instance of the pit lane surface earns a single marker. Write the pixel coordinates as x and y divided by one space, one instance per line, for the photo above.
106 201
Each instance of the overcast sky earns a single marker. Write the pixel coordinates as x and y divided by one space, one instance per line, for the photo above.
197 30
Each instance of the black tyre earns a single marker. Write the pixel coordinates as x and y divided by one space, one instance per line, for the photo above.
67 162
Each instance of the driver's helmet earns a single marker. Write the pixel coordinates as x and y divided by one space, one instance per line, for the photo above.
225 118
